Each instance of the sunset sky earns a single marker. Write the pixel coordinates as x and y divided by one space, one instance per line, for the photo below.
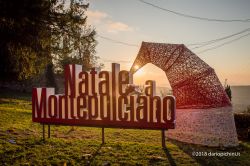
132 22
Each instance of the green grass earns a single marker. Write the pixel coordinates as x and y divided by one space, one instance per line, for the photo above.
21 143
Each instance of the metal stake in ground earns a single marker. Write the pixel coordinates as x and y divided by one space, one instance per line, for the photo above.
103 135
163 143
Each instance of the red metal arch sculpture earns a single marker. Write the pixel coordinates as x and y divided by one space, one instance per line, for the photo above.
194 83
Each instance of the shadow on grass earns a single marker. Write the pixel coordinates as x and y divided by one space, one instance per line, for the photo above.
169 156
189 148
11 94
208 160
20 114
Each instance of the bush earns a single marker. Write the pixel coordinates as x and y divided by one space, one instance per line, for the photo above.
228 92
242 120
242 123
50 76
247 110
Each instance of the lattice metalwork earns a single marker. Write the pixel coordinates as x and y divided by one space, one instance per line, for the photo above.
194 83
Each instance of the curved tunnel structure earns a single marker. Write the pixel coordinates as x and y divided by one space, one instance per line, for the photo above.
194 83
204 114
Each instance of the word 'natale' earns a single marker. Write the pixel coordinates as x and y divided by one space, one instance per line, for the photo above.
102 98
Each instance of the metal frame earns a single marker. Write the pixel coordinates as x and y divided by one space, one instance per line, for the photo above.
194 83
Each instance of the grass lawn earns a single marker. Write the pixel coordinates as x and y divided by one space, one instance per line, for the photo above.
21 143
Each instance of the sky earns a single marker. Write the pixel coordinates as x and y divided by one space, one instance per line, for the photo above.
132 22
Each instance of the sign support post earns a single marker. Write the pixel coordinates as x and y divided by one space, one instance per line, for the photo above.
163 143
48 131
43 132
103 141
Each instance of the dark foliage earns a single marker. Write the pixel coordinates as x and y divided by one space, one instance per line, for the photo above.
242 123
37 32
229 92
50 76
242 120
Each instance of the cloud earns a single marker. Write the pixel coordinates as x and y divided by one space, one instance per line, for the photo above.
96 16
118 26
114 61
106 23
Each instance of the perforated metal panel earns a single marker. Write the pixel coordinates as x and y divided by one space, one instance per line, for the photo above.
194 83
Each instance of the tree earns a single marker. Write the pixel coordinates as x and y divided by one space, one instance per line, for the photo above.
50 76
35 33
23 44
228 92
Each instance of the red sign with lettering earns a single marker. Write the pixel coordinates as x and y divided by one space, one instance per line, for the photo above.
103 99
